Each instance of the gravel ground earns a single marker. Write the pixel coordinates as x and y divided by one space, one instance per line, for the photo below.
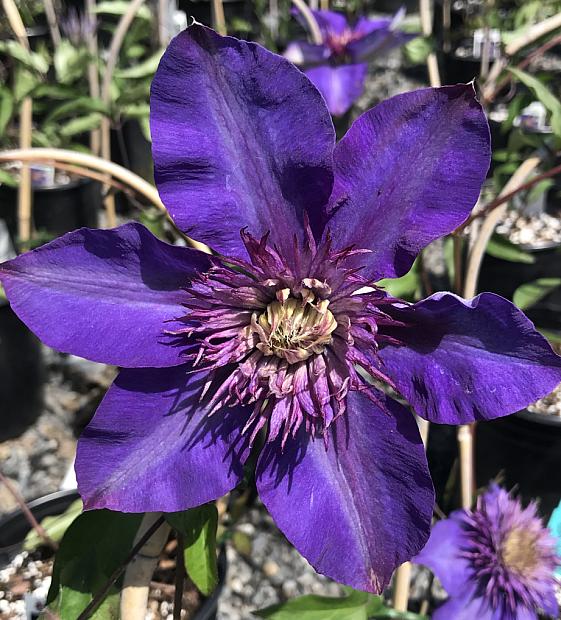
536 231
548 405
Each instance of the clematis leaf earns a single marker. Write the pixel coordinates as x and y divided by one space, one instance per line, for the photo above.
354 606
54 526
531 293
96 543
501 247
198 527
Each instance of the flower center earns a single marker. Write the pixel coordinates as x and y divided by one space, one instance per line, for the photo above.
294 328
518 551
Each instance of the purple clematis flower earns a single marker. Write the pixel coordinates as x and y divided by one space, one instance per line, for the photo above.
338 66
496 562
277 336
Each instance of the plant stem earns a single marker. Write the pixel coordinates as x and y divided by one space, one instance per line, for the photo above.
100 596
218 17
93 72
179 577
27 512
402 587
52 22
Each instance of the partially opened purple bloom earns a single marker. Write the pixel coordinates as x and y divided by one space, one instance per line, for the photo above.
496 562
338 66
275 335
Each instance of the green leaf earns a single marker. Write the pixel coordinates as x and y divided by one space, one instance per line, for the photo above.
405 287
81 124
24 82
77 106
417 50
3 294
553 336
198 527
541 91
71 63
529 294
6 108
55 527
143 69
539 188
28 59
7 179
120 7
314 607
500 247
95 544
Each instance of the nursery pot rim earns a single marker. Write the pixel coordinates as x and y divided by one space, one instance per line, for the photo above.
539 418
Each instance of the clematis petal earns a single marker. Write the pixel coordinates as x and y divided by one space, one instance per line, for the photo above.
408 171
466 606
240 138
151 448
329 22
360 507
304 53
378 41
469 360
340 85
104 294
442 554
365 26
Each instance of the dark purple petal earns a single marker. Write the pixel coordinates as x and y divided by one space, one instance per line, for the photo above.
365 26
104 294
329 22
151 448
407 172
340 85
359 508
240 138
469 360
442 554
304 53
377 42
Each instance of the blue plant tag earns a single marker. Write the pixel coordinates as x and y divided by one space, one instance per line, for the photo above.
555 526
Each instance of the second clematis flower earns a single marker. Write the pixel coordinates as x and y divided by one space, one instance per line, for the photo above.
339 65
274 340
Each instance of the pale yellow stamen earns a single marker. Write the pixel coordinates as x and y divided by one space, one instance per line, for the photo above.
519 552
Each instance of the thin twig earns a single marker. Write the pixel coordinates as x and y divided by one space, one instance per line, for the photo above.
540 51
179 577
52 22
510 195
41 532
457 245
101 595
93 72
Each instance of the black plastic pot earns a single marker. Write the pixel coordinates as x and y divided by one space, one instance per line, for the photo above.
504 277
526 448
22 376
14 527
56 210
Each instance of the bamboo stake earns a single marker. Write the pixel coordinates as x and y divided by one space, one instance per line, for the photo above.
163 22
136 583
116 43
402 587
52 22
93 73
475 258
426 28
25 127
315 32
218 17
324 4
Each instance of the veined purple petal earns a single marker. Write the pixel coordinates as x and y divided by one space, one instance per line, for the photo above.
442 555
104 294
240 138
469 360
304 53
407 172
340 85
151 448
360 507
